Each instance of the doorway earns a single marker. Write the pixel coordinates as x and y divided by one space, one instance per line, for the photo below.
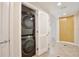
66 29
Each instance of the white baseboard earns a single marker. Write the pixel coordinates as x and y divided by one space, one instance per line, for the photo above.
69 43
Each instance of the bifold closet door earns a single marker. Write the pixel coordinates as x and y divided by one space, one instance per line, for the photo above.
4 29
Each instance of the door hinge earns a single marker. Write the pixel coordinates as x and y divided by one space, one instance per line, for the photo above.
37 49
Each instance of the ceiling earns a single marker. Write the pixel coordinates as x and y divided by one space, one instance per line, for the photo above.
66 9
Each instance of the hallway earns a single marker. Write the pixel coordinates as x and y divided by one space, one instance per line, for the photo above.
39 29
62 50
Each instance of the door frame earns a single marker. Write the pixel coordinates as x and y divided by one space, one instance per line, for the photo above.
13 38
58 29
36 22
15 29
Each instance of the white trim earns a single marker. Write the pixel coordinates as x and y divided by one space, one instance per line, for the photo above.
57 33
11 29
69 43
58 40
33 7
74 33
15 29
75 29
29 5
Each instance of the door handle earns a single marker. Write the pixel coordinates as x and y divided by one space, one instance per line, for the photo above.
4 41
37 31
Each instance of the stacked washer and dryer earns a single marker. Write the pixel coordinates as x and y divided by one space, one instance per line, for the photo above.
28 31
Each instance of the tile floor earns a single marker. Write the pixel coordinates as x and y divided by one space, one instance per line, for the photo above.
62 50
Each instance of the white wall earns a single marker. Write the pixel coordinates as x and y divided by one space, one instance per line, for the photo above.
53 24
76 28
4 29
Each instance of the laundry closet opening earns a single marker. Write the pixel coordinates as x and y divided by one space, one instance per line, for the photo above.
28 31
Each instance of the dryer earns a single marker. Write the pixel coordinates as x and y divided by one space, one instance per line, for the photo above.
28 32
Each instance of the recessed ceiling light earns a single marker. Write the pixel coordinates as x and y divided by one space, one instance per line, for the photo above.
59 4
64 14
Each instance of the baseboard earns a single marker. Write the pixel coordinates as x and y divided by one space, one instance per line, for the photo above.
69 43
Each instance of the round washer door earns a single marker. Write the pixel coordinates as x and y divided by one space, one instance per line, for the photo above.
28 46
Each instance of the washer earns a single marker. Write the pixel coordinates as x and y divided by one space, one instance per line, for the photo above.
28 46
28 32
